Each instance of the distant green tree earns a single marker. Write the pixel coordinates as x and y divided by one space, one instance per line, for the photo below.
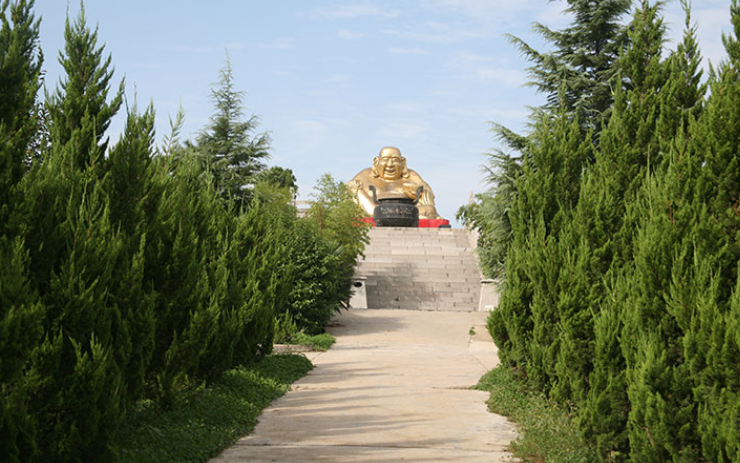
583 60
228 145
336 218
279 177
324 248
489 214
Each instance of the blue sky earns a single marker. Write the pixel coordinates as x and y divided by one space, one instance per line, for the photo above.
333 82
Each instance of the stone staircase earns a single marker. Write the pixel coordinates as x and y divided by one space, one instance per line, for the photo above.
420 269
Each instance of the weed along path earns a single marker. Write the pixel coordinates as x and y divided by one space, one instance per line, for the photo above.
395 387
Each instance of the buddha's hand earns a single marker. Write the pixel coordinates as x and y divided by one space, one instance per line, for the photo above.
409 189
354 186
428 212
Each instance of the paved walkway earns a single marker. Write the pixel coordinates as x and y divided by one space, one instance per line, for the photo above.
395 387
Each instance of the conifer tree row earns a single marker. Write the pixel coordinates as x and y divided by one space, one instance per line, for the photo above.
132 272
620 301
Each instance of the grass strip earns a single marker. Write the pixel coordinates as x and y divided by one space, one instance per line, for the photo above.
319 342
203 423
546 431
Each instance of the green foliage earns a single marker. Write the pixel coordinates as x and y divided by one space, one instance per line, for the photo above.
324 248
578 76
320 342
547 431
583 60
548 190
489 214
337 218
285 328
20 307
203 423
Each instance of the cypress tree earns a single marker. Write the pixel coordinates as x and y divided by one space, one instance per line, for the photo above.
548 189
712 344
664 213
79 110
20 69
598 240
75 381
133 197
20 308
177 252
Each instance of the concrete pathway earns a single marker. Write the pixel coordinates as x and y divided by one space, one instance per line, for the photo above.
395 387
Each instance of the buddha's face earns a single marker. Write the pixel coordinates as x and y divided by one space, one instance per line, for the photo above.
390 164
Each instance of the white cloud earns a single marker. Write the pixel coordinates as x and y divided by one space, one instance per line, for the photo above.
354 11
235 46
149 65
350 35
194 50
507 77
438 33
490 13
408 51
397 131
282 43
408 107
310 126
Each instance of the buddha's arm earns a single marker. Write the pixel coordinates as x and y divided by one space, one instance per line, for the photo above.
361 195
426 197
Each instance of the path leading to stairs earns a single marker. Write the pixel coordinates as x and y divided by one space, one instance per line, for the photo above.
395 387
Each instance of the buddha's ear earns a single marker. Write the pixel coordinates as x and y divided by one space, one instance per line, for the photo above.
405 171
374 170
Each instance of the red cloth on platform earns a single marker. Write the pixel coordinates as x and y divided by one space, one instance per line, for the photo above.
423 223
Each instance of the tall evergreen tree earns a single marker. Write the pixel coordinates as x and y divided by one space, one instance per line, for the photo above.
20 308
663 213
79 110
228 144
20 69
133 198
583 60
712 344
548 190
579 74
75 380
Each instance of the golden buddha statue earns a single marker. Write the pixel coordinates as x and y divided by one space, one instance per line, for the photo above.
392 179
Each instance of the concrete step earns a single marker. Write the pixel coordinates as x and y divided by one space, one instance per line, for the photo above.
421 269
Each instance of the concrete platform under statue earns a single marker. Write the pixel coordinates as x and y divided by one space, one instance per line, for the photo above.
391 194
430 269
